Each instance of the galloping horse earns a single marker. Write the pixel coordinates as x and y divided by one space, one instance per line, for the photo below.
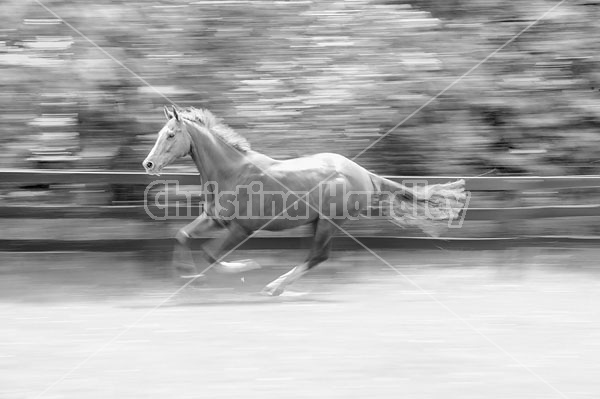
321 190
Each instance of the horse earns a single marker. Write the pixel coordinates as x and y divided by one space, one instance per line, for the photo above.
247 191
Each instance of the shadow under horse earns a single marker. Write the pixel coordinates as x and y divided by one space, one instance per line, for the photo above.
247 191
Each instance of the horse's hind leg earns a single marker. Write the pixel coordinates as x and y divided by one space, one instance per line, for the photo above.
182 255
319 252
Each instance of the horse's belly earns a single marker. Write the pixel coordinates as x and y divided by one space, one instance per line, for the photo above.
275 223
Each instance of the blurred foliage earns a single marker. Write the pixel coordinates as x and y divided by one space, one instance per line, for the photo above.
299 77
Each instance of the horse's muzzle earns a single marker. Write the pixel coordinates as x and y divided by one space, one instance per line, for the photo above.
150 167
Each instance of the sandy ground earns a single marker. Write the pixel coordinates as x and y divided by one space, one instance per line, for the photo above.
445 324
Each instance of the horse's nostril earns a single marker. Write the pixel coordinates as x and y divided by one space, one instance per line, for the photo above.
149 164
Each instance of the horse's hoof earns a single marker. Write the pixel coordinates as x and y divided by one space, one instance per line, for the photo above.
237 267
275 291
195 277
251 264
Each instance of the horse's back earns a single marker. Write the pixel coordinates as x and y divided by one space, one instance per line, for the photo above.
322 166
320 161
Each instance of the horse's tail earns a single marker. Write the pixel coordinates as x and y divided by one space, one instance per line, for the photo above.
424 206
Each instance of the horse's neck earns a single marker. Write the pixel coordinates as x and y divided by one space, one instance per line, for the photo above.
215 160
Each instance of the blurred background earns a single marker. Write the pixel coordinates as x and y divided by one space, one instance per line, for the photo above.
301 77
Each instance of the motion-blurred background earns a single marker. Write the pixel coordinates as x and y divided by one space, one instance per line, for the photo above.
300 77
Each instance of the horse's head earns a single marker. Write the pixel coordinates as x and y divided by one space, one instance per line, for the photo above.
173 142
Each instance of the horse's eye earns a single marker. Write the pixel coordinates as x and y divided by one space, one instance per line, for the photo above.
171 135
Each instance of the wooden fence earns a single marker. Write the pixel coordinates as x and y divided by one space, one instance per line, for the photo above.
513 185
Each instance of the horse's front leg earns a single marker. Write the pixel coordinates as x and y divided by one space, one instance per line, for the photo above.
232 237
182 255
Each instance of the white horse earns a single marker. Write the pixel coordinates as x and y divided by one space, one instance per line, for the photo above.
292 193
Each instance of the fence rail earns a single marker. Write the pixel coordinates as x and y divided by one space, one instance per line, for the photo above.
485 183
515 185
481 184
139 212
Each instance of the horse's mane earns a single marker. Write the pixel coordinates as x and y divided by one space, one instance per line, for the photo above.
217 127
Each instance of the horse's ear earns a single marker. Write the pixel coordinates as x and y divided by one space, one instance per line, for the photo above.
175 114
168 113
